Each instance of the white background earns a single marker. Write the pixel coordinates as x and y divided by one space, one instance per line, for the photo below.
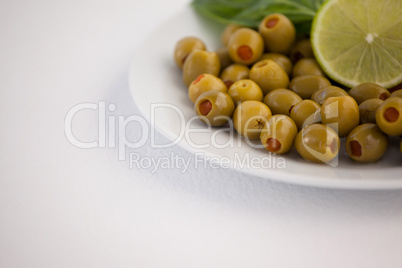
61 206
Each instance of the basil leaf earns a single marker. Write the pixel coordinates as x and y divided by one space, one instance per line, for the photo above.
251 12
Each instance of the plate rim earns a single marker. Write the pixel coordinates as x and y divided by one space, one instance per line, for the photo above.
301 180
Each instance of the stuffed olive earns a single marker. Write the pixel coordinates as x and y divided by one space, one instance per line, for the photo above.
250 117
233 73
214 108
366 91
204 83
368 110
281 60
278 134
278 32
322 94
340 113
306 85
245 90
307 67
389 116
269 75
245 46
200 62
317 143
366 143
184 47
305 112
281 100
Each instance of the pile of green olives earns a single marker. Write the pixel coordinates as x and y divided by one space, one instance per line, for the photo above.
267 83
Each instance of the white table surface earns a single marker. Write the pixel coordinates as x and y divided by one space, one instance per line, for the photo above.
62 206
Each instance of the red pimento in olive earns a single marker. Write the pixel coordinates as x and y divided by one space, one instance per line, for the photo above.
273 145
388 116
278 134
271 22
245 46
214 108
245 53
205 107
366 143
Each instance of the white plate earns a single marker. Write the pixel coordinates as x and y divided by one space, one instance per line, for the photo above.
154 80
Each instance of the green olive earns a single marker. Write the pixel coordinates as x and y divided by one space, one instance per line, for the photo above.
233 73
306 85
280 59
269 75
307 67
322 94
214 108
340 113
389 116
250 117
305 113
301 50
366 91
281 100
278 134
245 46
200 62
278 32
184 47
224 57
366 143
204 83
368 110
317 143
228 32
396 93
245 90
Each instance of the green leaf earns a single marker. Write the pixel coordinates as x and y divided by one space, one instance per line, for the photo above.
251 12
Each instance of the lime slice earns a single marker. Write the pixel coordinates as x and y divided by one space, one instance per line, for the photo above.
358 41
